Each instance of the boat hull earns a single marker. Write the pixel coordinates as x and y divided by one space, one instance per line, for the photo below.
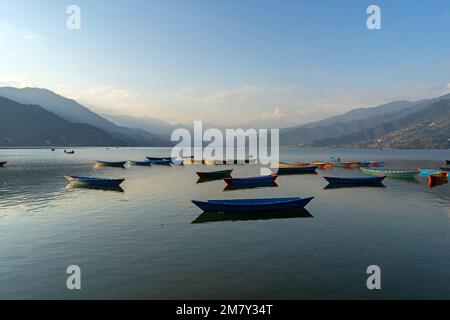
120 164
359 181
161 162
92 181
427 172
252 205
296 169
390 173
437 179
159 158
215 174
140 163
253 181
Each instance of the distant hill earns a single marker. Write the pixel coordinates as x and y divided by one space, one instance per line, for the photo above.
428 127
72 111
146 123
351 122
31 125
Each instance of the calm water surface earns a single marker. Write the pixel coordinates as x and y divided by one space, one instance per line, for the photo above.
150 242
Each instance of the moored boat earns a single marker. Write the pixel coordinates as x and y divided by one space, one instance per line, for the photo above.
159 158
251 181
437 179
427 172
215 174
293 169
322 165
390 173
447 162
446 169
3 163
93 181
140 163
354 181
165 162
252 205
120 164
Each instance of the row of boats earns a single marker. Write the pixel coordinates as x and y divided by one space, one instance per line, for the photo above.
374 175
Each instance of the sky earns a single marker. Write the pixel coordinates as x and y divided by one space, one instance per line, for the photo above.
228 61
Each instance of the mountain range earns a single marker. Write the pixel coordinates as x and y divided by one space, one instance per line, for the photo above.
369 127
75 113
40 117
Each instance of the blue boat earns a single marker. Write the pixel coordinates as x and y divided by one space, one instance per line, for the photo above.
297 169
140 163
427 172
252 205
93 181
354 181
252 181
165 162
119 164
159 159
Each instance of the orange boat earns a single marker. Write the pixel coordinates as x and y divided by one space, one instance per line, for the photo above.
437 179
352 165
322 165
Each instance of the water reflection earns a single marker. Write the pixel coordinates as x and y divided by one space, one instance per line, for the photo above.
255 186
342 186
103 188
285 214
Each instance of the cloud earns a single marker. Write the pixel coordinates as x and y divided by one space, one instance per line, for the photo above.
276 114
9 31
29 36
15 81
237 94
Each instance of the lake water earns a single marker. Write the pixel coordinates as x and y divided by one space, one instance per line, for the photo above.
151 242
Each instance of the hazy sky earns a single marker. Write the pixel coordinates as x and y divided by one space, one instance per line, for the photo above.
227 61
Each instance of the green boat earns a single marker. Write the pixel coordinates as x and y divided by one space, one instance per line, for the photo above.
390 173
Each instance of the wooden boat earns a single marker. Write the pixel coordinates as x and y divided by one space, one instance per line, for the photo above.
251 181
390 173
214 174
427 172
437 179
165 162
93 181
288 169
140 163
159 158
354 181
373 164
2 163
120 164
252 205
322 165
446 169
352 165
